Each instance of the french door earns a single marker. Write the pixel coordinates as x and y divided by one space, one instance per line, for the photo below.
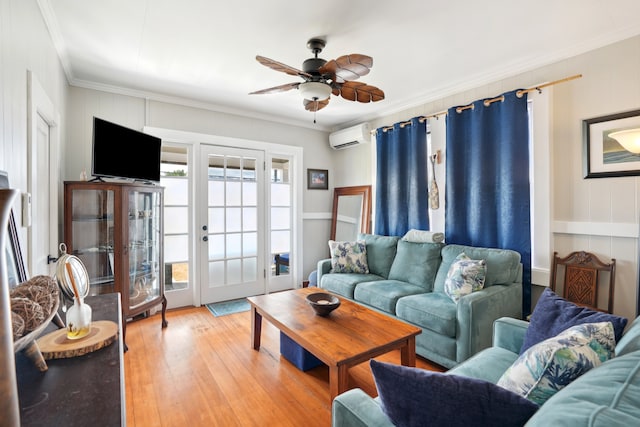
231 248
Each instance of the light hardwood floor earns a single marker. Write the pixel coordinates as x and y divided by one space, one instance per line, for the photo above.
202 371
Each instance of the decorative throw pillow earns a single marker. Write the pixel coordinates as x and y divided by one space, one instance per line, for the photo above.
417 397
348 257
554 314
423 236
465 276
547 367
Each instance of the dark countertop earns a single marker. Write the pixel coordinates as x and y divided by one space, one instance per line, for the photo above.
80 391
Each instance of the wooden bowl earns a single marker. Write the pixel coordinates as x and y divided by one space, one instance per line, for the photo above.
323 303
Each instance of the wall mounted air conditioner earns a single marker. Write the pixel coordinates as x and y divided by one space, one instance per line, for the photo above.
350 137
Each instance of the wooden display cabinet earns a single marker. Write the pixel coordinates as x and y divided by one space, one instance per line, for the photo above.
116 230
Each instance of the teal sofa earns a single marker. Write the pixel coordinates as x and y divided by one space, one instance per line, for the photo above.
608 395
406 280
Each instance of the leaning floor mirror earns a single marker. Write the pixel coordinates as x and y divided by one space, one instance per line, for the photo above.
351 212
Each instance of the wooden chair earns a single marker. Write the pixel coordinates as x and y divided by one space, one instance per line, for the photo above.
581 276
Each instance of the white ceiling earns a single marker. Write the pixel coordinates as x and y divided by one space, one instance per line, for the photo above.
202 52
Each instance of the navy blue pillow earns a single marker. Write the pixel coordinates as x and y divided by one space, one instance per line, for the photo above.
417 397
554 314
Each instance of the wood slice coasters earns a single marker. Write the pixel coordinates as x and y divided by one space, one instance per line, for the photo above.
56 345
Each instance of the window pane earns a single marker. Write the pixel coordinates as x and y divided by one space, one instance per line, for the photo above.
176 191
249 244
233 193
280 195
249 194
249 269
176 276
248 169
234 248
249 219
234 220
216 246
216 273
216 220
280 242
234 271
216 193
176 220
176 248
280 218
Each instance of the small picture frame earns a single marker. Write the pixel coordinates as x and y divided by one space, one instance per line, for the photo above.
317 179
604 156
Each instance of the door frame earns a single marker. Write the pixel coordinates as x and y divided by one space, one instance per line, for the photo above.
39 104
271 150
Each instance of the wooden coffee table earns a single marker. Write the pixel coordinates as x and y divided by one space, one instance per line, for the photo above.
350 335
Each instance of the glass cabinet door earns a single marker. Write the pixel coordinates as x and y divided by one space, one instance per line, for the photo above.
93 239
145 228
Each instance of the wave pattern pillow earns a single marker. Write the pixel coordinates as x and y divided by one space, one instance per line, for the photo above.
549 366
465 276
349 257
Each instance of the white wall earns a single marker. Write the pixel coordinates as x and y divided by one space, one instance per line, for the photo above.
586 213
137 112
25 44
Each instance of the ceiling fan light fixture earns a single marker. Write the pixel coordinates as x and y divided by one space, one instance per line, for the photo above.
315 91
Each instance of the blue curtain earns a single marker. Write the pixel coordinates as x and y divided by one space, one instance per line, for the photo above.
487 180
401 184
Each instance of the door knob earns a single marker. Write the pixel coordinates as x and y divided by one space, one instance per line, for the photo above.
205 238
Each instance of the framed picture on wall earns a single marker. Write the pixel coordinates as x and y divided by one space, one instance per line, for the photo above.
317 179
612 145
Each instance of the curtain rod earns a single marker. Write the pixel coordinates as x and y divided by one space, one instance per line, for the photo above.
486 103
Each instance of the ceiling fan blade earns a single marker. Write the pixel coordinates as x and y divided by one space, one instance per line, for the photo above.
358 91
279 66
276 89
311 105
347 67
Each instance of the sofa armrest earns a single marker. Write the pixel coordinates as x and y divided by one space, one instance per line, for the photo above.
477 312
508 333
355 408
324 266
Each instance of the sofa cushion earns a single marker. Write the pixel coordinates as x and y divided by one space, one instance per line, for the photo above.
345 283
630 341
384 294
423 236
503 265
553 314
608 396
417 397
416 263
489 364
381 250
465 275
553 364
431 311
348 257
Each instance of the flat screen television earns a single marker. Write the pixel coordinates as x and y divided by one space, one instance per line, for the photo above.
120 152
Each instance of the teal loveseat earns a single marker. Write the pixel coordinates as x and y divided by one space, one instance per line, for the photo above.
407 280
608 395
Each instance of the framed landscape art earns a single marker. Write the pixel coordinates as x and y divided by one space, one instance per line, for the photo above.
604 156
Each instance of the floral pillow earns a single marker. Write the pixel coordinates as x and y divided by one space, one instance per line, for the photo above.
465 276
547 367
349 257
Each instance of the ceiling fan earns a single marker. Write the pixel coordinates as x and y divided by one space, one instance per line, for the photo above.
322 78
